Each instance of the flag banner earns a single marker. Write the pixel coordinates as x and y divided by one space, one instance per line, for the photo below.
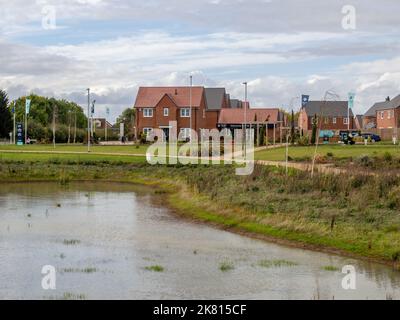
108 111
20 134
304 100
351 100
13 109
27 105
93 109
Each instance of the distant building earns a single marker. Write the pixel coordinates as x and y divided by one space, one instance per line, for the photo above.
388 114
331 115
101 123
272 118
157 106
358 122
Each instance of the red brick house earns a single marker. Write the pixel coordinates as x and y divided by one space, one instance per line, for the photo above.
157 106
388 114
331 115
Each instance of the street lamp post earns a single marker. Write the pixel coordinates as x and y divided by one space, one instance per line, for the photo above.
88 119
245 119
190 105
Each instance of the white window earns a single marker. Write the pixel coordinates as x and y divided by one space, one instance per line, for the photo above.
382 114
147 131
148 112
184 133
334 120
326 120
389 114
345 120
185 112
166 112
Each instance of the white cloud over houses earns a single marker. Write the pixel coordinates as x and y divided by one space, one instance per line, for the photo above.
282 48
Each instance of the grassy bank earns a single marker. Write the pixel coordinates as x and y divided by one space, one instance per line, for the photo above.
335 151
354 213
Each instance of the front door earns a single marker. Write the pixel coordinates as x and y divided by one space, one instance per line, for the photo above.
166 134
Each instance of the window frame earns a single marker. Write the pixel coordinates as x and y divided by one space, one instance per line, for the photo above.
147 129
147 111
184 112
166 114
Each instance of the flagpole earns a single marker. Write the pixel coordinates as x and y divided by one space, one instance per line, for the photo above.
26 124
14 127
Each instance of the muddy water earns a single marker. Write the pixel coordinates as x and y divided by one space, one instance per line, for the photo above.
102 237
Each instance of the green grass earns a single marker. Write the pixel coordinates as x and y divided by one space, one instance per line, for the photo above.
77 270
126 149
339 152
155 268
330 268
226 266
276 263
71 242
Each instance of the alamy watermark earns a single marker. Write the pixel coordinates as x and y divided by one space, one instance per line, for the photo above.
349 280
49 278
213 146
49 15
349 21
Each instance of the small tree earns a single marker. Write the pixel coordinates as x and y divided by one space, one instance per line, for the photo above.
262 135
314 130
5 115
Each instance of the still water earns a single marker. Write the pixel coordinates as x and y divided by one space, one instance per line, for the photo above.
103 237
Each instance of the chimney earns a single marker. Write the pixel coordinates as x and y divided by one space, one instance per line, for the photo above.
387 99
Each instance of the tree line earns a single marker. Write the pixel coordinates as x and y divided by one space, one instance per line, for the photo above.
68 117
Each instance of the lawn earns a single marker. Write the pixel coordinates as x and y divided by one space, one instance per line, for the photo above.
338 151
69 158
121 149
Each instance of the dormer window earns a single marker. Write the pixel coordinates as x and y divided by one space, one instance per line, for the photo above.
166 112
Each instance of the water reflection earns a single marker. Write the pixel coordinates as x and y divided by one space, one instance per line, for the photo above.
104 237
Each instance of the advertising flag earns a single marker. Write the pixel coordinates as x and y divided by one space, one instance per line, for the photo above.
304 100
27 105
351 100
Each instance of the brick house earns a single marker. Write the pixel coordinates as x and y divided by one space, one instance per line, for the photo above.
388 114
235 118
331 115
157 106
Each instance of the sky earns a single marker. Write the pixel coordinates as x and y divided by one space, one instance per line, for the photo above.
283 49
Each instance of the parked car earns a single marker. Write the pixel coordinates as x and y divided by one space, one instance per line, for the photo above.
348 137
371 136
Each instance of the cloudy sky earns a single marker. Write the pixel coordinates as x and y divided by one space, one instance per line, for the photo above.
282 48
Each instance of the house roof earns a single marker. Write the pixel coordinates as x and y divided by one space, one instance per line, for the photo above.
392 104
236 116
327 108
214 98
377 106
149 97
235 103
